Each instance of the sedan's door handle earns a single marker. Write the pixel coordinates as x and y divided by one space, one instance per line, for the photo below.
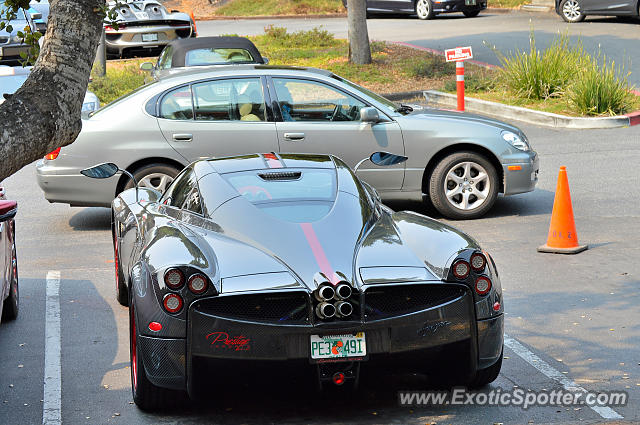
185 137
294 137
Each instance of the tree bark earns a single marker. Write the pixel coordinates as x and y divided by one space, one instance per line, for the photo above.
359 49
44 114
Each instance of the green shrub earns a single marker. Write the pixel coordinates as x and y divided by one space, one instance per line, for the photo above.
601 90
540 75
472 83
117 82
315 37
432 67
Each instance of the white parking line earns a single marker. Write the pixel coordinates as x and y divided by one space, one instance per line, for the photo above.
51 409
547 370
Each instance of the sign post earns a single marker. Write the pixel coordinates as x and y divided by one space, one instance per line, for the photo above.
459 55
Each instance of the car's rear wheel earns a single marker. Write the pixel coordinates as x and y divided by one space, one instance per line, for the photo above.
154 176
571 11
11 303
145 395
486 376
463 185
471 13
424 9
122 293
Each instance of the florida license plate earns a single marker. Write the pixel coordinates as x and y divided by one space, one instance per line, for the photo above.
338 346
150 37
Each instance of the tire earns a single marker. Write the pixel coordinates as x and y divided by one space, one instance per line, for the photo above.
571 11
10 305
469 199
146 396
486 376
424 9
154 176
122 291
471 13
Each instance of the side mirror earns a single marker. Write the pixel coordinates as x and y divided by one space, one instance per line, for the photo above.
369 114
36 15
8 210
147 66
101 171
385 159
265 60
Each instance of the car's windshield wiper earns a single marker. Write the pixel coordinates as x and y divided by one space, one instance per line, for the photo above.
403 109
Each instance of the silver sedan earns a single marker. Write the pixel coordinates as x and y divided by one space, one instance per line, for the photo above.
461 162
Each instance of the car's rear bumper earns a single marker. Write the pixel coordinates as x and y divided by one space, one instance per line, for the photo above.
132 38
407 339
448 6
74 189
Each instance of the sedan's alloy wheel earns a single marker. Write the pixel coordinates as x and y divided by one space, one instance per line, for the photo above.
157 181
571 11
424 9
467 185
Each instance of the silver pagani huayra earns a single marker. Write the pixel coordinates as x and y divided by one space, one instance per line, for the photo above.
145 26
290 259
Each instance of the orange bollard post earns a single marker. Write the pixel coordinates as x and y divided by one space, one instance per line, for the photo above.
563 238
195 28
460 84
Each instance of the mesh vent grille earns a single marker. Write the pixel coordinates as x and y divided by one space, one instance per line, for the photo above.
383 302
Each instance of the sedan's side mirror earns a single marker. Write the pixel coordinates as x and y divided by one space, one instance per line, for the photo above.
382 159
8 210
147 66
106 170
369 114
265 60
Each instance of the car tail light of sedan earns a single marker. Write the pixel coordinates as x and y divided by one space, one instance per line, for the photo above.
52 155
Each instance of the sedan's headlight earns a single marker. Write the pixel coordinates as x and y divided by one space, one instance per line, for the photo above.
516 141
90 106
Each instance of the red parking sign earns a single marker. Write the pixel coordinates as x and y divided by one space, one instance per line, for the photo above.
458 54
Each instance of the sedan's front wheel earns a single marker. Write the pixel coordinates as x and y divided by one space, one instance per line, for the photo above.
424 9
571 11
463 185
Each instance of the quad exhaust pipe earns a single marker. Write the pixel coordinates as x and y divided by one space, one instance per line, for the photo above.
343 309
325 293
325 310
343 291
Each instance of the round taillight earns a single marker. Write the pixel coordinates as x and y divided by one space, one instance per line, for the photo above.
461 269
483 285
197 284
172 303
478 262
174 278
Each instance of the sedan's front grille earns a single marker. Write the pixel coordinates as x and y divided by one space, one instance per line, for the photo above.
396 300
283 308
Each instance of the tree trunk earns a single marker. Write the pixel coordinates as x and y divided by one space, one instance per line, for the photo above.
359 50
44 114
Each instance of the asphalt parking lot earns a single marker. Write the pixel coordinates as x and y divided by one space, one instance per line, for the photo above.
571 319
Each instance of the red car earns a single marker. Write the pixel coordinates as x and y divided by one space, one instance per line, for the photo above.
8 259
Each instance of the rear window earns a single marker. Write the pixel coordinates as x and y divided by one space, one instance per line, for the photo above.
198 57
297 195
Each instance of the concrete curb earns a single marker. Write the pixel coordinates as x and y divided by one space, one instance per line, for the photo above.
317 16
531 116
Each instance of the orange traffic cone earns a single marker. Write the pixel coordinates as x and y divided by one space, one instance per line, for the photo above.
195 28
563 238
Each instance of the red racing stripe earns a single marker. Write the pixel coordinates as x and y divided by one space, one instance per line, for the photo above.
272 160
318 253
